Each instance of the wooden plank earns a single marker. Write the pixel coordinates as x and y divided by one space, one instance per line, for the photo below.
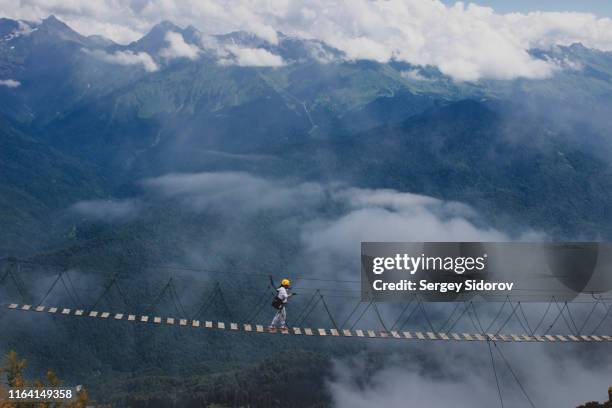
407 335
233 326
346 333
334 332
182 322
307 331
13 306
561 338
467 337
491 337
105 315
456 336
383 334
195 323
443 336
144 319
504 337
432 336
395 334
585 338
170 321
479 337
371 333
78 312
322 332
596 338
40 308
65 311
297 331
118 316
573 338
209 325
420 336
550 338
526 337
157 320
93 313
131 318
539 338
221 325
359 333
28 307
52 310
515 337
607 338
248 327
259 328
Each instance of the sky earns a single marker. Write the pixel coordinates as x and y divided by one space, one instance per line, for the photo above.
465 41
602 8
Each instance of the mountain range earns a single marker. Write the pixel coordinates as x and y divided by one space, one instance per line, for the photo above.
87 122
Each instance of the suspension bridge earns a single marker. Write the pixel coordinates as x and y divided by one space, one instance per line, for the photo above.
494 331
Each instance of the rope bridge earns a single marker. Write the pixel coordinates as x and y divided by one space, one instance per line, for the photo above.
305 331
448 330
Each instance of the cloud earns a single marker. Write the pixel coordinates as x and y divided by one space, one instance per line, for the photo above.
365 215
332 244
252 57
460 375
9 83
107 210
127 58
231 191
466 42
178 48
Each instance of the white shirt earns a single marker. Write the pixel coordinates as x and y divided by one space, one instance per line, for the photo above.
282 294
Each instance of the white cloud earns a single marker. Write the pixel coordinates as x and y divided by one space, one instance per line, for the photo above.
252 57
178 48
232 191
127 58
461 376
107 210
9 83
466 42
368 215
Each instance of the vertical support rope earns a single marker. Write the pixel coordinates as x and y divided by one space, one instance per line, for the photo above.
543 316
305 308
448 319
328 312
501 400
227 309
362 314
379 316
498 314
514 375
603 319
50 289
348 318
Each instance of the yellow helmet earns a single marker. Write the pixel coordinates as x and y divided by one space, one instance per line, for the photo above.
285 282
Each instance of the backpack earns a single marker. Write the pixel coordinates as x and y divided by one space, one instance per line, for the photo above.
277 303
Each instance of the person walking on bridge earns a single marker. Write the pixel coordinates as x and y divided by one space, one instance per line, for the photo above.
279 303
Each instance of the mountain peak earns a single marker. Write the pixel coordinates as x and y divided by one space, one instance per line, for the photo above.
163 27
56 27
155 39
54 22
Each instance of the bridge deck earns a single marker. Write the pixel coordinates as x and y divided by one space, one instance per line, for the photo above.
305 331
